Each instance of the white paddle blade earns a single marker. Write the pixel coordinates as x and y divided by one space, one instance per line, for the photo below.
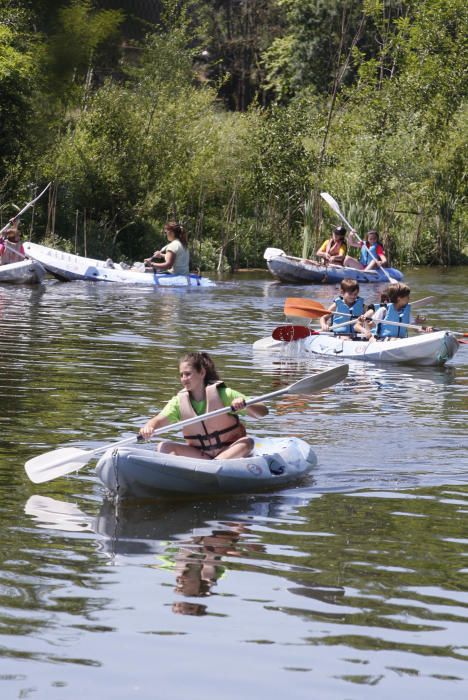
56 463
331 202
323 380
273 253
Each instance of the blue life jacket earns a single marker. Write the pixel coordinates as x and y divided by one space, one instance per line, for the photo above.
366 254
356 310
402 316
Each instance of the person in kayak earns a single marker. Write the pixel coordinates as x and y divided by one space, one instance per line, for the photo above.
372 252
11 248
334 249
221 437
395 307
374 314
348 306
175 253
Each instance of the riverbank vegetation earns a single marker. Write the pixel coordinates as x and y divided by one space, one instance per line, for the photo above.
233 116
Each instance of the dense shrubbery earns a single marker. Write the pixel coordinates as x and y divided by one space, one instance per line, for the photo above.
134 139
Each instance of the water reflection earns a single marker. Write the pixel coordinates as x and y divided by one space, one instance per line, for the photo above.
344 579
357 578
190 539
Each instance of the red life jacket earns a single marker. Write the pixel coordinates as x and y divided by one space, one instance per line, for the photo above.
207 435
9 254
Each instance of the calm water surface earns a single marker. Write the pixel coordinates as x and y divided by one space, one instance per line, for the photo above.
352 586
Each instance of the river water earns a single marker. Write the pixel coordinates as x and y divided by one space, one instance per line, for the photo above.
352 586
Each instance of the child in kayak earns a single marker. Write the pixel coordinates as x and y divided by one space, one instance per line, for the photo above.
395 307
11 248
372 253
348 306
221 437
334 249
374 313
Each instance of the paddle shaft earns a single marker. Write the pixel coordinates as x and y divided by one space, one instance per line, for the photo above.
25 208
54 464
13 250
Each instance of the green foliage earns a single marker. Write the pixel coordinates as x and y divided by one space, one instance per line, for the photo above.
371 106
308 55
76 47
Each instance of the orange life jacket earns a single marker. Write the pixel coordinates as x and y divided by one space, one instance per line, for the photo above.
333 247
206 435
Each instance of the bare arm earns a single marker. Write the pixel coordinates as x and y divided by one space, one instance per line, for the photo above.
257 410
324 320
153 424
167 264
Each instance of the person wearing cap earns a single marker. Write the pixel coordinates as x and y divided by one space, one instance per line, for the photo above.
372 252
11 248
333 251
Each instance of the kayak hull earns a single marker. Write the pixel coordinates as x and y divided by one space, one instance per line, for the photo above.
426 349
136 472
69 268
22 272
293 270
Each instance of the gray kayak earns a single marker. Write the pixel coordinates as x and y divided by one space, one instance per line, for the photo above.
22 272
141 472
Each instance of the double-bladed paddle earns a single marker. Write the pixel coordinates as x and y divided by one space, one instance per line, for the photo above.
56 463
291 333
334 205
308 308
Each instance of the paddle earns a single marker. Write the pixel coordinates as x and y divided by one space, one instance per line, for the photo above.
291 333
59 462
308 308
418 302
295 306
25 208
334 205
411 326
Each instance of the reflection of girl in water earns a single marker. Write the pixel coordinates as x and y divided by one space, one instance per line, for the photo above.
198 564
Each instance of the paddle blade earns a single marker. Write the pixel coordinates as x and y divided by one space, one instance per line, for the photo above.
331 202
306 308
309 385
291 333
308 304
301 312
56 463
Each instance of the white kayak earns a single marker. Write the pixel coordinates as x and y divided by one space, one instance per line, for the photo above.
22 272
424 349
71 267
142 472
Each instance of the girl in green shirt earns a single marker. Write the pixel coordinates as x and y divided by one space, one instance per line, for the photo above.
222 437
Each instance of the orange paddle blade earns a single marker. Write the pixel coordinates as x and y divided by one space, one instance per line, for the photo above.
308 304
302 311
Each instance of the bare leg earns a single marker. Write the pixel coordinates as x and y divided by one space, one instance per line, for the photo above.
178 448
352 262
241 448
